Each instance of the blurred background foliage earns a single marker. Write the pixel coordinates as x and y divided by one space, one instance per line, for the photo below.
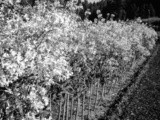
122 9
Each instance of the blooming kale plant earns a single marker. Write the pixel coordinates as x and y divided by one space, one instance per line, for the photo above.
51 46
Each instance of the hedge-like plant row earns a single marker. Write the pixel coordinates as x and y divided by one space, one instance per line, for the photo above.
48 46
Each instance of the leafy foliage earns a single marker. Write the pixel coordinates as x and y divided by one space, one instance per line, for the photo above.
45 47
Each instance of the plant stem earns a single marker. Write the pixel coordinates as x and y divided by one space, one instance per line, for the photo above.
77 111
67 107
89 104
71 108
83 99
60 109
96 95
103 91
64 107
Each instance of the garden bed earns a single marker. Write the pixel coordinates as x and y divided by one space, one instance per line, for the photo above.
117 110
57 67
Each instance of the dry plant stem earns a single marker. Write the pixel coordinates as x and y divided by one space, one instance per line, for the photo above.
67 114
71 108
78 101
60 109
89 104
51 107
96 95
83 99
64 107
103 91
77 111
112 86
93 89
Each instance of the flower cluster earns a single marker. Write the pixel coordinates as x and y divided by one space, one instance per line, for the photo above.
52 46
38 45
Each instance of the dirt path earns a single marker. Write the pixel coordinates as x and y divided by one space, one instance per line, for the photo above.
144 103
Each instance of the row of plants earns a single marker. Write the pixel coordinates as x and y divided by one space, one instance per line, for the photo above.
48 51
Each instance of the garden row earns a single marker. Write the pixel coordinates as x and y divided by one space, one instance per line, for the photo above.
56 66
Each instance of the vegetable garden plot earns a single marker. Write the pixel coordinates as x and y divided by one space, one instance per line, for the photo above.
57 68
91 103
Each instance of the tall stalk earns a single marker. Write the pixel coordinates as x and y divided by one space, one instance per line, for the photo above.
89 104
103 87
96 95
72 100
83 99
51 107
60 109
77 111
103 91
64 107
67 114
109 86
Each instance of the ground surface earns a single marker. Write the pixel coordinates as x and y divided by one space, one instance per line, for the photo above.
144 103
